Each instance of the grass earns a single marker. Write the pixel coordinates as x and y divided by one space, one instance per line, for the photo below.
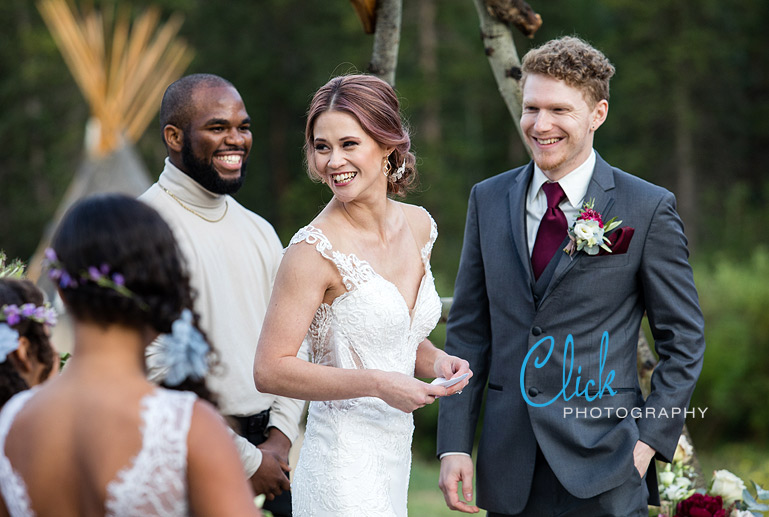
425 498
749 462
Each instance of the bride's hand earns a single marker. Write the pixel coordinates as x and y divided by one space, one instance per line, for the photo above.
448 367
405 392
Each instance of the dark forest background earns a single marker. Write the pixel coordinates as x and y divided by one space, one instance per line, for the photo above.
689 110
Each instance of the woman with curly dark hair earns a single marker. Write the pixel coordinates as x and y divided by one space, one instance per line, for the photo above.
26 355
100 439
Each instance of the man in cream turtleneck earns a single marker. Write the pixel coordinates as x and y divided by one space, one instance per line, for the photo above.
232 255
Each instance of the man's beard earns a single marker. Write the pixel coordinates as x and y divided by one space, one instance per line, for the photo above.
205 174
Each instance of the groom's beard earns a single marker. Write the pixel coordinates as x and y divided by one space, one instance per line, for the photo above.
205 173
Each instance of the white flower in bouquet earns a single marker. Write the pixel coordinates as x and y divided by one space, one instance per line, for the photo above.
683 481
684 450
727 485
667 478
741 513
676 493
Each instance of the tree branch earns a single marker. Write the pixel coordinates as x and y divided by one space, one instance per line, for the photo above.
516 12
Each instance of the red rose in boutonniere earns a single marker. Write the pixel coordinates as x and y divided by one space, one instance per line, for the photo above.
588 233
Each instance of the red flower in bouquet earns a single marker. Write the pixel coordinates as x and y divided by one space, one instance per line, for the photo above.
701 505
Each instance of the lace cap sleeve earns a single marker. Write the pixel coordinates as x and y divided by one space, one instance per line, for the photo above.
352 270
428 247
314 237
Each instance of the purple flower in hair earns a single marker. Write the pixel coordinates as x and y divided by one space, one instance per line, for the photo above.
50 255
97 275
12 314
28 310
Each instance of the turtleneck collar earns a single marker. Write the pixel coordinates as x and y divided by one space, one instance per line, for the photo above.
190 192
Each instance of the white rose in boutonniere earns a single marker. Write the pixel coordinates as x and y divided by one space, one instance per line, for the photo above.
727 485
588 231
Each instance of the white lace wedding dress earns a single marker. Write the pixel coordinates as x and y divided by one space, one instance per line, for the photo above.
356 456
155 481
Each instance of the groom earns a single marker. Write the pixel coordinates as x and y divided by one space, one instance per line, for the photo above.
553 335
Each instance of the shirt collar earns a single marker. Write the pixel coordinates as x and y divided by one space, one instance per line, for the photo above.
574 184
187 189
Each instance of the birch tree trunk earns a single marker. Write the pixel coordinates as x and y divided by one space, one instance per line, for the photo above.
503 58
387 35
428 65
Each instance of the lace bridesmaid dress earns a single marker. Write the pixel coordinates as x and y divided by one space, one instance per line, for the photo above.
356 456
153 484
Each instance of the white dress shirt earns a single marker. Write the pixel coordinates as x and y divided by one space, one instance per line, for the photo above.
574 184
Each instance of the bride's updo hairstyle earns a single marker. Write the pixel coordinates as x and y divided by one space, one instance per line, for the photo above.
126 240
374 104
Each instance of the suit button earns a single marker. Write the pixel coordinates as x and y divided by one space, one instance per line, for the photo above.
533 392
536 331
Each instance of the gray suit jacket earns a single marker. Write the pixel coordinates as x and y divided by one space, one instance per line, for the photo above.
497 318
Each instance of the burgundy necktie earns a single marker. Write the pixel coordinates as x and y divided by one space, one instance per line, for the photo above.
552 229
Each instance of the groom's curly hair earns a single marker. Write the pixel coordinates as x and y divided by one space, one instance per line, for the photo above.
574 61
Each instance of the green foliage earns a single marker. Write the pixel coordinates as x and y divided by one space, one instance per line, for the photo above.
11 269
733 384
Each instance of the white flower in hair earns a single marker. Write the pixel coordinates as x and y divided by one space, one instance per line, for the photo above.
399 173
184 351
9 341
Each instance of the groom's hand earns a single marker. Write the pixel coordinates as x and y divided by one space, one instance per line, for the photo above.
456 468
642 457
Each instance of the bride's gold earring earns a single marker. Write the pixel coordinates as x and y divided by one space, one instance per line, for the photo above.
387 167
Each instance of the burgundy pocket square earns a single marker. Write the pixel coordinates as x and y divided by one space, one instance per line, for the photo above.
619 241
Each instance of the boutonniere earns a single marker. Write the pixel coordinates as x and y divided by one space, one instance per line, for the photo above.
588 231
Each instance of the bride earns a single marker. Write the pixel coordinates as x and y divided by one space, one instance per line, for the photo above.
356 284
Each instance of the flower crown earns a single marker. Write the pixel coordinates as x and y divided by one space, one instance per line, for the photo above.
13 314
100 276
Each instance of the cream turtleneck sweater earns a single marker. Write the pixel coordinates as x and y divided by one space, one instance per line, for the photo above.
232 264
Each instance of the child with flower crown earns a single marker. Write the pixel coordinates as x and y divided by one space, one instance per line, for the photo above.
26 355
100 438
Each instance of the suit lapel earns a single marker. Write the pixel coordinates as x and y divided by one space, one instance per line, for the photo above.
517 204
600 187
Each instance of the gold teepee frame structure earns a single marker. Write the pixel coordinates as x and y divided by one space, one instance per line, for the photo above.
121 79
122 67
